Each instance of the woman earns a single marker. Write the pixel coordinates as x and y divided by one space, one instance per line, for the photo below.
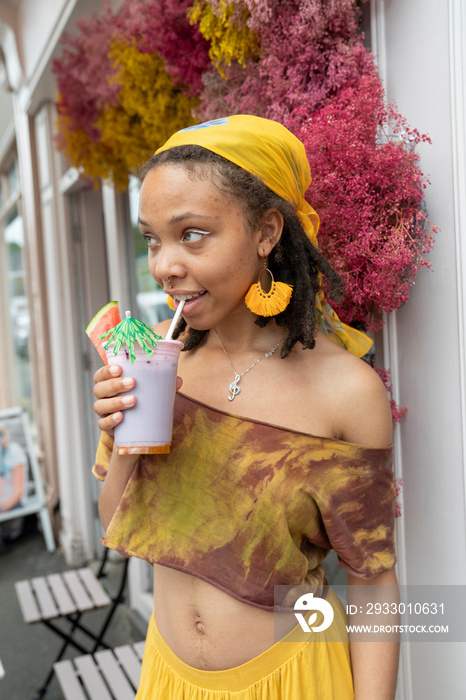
249 499
13 463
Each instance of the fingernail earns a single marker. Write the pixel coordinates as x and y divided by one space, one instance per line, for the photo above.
128 381
127 400
113 369
116 417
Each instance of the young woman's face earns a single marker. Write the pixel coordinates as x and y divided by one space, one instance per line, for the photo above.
200 243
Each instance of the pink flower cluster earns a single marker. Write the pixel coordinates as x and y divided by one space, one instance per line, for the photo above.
398 412
163 27
368 190
398 483
314 75
309 50
84 71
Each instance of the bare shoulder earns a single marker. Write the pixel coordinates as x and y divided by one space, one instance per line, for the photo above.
361 408
162 327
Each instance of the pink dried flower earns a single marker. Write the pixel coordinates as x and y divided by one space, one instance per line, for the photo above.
86 75
84 71
314 74
309 50
162 26
368 190
398 483
398 412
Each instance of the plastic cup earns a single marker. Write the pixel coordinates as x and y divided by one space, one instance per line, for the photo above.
147 427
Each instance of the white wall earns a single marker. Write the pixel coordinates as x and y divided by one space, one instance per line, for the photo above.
429 343
36 23
422 63
39 25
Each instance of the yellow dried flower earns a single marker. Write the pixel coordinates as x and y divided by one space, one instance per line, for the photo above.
150 108
95 159
226 29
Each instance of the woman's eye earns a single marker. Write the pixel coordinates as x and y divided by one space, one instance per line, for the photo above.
150 240
193 234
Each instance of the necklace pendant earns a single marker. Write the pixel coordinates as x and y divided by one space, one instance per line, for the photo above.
234 388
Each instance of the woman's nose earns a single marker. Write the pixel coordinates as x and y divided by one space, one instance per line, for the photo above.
168 264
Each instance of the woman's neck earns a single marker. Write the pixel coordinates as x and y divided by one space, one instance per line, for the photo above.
246 336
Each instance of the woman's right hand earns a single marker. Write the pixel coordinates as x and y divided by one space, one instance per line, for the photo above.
112 396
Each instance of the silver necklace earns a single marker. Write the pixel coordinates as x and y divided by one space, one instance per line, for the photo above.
234 388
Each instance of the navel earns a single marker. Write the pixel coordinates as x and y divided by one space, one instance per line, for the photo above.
200 628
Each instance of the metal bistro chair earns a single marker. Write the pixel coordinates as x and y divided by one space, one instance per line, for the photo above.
67 596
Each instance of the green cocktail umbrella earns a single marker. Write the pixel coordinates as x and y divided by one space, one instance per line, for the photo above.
129 331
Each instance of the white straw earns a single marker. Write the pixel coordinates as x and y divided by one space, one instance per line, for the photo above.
175 320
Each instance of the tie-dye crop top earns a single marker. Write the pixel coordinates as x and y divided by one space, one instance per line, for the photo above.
246 505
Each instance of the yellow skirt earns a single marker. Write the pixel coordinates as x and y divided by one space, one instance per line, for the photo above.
289 670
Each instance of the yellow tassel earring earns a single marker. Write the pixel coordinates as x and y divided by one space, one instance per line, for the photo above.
268 303
169 298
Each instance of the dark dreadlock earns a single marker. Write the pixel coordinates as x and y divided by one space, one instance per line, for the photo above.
294 259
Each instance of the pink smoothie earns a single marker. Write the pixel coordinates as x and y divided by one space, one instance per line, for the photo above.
147 427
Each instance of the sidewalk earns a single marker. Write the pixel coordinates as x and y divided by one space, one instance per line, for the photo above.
27 651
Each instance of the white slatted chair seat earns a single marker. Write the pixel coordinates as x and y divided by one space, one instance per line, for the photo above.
48 597
60 601
111 674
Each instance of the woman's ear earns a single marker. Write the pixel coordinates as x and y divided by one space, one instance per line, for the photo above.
270 227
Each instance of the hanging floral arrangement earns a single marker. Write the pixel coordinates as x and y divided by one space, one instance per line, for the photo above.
374 227
126 81
119 97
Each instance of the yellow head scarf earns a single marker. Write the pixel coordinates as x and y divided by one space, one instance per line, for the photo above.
272 153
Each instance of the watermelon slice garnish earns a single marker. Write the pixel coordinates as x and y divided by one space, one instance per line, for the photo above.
107 318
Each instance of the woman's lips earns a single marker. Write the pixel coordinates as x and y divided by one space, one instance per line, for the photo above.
191 300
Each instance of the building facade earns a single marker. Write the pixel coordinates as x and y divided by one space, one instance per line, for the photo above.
67 249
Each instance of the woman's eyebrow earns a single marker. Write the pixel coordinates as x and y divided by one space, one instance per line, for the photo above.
188 215
180 217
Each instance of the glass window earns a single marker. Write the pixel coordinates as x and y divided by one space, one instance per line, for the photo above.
19 309
150 298
12 177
